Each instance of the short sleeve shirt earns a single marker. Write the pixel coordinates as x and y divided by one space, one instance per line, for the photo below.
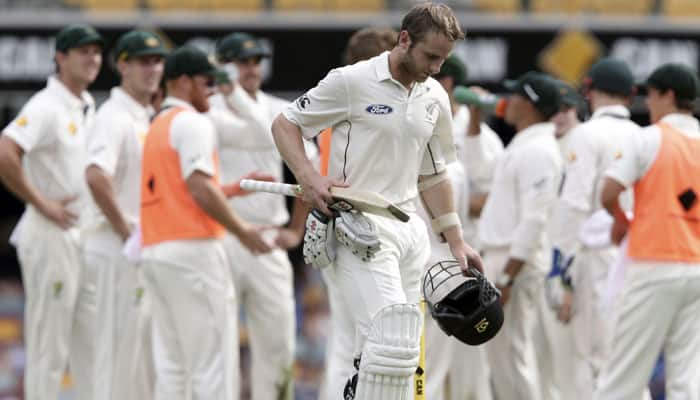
384 136
51 128
644 147
115 144
193 137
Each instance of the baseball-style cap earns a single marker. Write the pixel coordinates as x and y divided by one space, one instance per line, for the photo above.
138 43
187 60
568 95
610 76
677 77
540 89
455 68
239 45
77 35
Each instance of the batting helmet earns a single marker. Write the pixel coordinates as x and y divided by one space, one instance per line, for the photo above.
464 306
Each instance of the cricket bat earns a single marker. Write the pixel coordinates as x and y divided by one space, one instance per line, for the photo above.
344 199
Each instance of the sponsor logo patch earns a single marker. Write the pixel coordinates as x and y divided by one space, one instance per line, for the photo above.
379 109
303 102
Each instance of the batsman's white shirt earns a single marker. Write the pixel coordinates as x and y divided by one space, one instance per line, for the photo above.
384 135
524 188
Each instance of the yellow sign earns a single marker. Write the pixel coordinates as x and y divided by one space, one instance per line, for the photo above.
570 55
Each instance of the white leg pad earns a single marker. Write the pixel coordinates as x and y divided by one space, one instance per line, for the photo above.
390 354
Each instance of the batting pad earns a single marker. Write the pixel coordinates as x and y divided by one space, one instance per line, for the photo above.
390 354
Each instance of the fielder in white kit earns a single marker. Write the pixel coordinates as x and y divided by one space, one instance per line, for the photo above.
660 299
264 282
392 134
123 360
590 149
42 161
512 232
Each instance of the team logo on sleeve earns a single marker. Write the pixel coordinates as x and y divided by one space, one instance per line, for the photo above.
303 102
379 109
22 121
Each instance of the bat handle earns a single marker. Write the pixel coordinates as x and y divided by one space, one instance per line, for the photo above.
270 187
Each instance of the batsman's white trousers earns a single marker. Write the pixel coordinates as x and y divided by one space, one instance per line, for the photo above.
392 277
265 290
340 345
123 358
194 319
511 352
60 309
658 310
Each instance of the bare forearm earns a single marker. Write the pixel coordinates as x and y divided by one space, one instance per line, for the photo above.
103 193
300 211
211 199
438 201
610 198
290 144
13 176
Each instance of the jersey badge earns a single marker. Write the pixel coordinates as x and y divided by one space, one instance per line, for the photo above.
618 155
431 112
379 109
22 121
303 102
72 129
571 156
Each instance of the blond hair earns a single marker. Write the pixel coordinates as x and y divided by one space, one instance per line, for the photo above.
369 42
431 17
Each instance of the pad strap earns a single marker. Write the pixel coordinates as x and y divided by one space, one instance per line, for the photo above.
445 221
432 181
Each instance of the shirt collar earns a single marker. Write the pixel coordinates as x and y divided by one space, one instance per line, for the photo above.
533 131
56 86
617 110
175 102
381 67
682 122
132 106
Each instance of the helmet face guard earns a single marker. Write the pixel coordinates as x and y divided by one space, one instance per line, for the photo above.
464 306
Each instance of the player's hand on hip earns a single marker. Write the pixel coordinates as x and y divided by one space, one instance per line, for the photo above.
252 237
317 191
466 256
58 212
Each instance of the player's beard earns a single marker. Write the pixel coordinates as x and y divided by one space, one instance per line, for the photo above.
408 65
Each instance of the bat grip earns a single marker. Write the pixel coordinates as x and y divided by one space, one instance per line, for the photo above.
270 187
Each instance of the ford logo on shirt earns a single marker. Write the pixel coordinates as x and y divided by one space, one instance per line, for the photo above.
379 109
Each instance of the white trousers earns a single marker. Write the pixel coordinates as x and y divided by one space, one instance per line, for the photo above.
340 346
59 311
592 328
658 311
123 359
392 277
194 319
554 350
511 353
265 291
